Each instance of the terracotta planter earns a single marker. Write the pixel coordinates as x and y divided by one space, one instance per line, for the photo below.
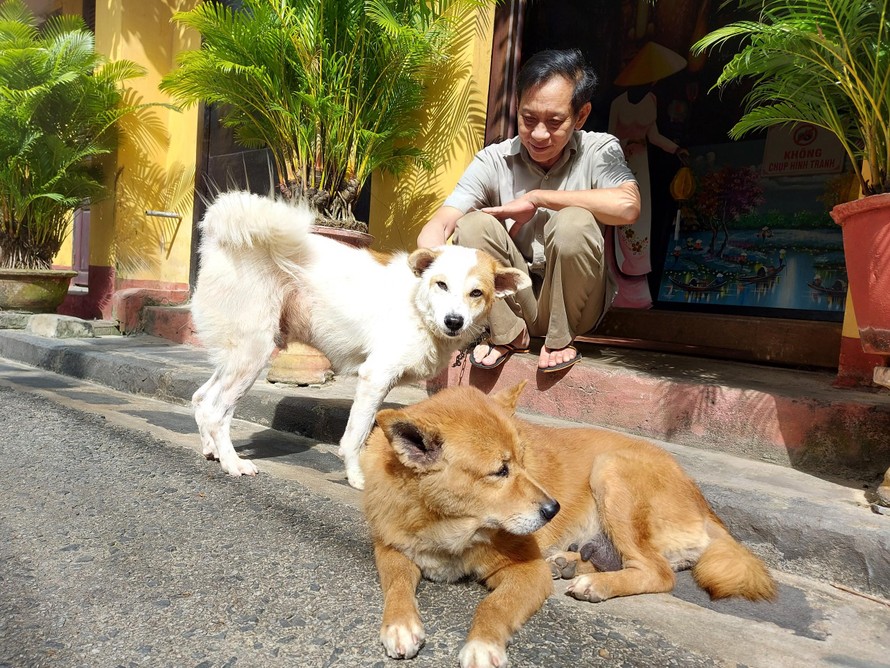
349 237
301 364
33 290
866 228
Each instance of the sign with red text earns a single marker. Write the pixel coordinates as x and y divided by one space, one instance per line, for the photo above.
803 149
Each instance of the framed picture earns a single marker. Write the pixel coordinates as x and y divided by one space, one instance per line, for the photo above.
752 232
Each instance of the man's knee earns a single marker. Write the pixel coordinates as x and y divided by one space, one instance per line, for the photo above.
476 228
574 229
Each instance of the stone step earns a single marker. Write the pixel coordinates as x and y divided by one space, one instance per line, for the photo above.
785 416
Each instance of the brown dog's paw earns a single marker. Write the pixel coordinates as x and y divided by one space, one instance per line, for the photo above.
481 654
402 641
563 565
584 588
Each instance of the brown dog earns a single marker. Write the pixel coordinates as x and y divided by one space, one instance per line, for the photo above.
458 486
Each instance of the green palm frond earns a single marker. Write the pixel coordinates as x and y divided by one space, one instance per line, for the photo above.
15 14
60 103
825 62
332 87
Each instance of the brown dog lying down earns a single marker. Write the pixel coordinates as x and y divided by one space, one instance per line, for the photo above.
457 486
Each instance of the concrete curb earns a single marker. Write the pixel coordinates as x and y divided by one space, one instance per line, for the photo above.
797 522
786 416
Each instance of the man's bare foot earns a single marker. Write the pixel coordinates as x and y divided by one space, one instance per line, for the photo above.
487 355
557 357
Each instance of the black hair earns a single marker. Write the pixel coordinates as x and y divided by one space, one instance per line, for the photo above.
568 63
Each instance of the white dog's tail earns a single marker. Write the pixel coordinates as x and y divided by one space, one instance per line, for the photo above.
244 220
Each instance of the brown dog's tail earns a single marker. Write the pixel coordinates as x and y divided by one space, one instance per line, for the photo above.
727 568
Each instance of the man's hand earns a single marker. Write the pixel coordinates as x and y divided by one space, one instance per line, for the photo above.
521 210
439 228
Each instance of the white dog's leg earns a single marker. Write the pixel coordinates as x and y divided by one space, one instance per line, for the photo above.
369 394
199 402
215 406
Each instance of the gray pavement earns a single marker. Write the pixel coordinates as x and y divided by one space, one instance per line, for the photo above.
121 546
797 522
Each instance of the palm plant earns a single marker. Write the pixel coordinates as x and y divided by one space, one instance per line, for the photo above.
59 105
331 87
825 62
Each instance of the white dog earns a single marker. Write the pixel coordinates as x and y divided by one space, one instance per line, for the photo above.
265 280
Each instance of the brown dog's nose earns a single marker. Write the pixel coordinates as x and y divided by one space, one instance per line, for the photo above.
549 509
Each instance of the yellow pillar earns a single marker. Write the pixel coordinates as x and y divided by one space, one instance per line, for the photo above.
453 131
153 168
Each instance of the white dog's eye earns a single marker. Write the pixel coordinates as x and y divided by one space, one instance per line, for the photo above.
442 286
475 294
502 472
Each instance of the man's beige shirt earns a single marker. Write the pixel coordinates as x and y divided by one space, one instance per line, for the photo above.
502 172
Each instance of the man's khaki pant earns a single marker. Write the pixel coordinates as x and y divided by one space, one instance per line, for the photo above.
576 289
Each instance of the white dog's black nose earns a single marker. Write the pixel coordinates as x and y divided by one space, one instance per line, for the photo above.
549 509
454 322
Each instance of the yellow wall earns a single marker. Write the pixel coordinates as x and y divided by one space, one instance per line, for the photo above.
850 328
454 129
64 258
154 166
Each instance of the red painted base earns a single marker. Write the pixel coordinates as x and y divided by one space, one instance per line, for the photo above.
95 303
107 298
129 305
855 366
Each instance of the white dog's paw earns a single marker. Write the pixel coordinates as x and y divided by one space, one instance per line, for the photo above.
355 476
235 466
584 588
209 451
403 641
480 654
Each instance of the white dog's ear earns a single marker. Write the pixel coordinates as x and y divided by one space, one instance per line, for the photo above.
508 281
421 259
417 447
509 397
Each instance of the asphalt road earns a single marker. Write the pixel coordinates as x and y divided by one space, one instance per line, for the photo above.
121 546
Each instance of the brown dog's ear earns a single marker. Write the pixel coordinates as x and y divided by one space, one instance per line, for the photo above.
421 259
384 417
508 281
417 447
509 397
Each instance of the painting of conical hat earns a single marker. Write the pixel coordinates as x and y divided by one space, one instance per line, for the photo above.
652 63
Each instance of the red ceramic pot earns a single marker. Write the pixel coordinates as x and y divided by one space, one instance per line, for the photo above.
866 227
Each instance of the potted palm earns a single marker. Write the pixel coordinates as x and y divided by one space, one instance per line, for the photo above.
59 106
331 87
827 62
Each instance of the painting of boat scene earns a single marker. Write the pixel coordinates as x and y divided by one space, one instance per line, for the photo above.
746 240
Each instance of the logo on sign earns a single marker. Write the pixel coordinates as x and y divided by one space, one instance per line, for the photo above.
805 134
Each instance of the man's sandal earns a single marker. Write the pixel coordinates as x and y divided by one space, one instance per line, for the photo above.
563 365
509 349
